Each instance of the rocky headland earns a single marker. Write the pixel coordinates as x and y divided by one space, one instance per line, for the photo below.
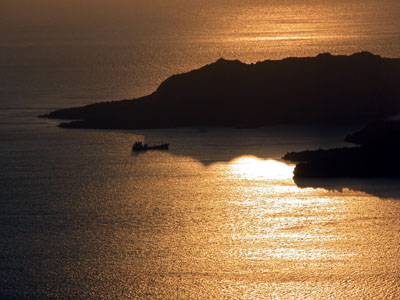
309 90
378 155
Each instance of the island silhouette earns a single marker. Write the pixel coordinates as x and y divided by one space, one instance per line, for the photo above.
378 155
384 188
308 90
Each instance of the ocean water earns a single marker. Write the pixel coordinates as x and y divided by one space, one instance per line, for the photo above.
218 216
67 53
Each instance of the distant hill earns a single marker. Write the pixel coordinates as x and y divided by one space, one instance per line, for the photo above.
325 88
376 132
378 155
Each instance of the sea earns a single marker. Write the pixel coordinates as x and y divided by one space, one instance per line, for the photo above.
218 215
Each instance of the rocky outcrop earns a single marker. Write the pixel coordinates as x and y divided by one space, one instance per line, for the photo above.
379 155
376 132
325 88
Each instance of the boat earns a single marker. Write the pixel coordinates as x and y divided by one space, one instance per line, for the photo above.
139 146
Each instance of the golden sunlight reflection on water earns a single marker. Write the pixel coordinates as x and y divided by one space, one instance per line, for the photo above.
273 219
252 168
243 229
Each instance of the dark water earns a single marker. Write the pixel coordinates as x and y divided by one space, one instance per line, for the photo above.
213 218
218 216
68 52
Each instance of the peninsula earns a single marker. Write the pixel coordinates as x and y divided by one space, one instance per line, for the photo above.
309 90
377 155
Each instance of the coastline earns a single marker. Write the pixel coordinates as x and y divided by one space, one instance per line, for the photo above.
309 90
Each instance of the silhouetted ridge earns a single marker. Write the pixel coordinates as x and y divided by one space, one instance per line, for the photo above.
365 161
377 132
365 55
326 88
383 187
379 155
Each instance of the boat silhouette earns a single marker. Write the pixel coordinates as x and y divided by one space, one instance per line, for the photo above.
139 146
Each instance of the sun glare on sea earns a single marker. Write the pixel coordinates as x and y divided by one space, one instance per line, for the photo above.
251 167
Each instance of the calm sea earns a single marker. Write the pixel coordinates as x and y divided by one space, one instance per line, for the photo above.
218 216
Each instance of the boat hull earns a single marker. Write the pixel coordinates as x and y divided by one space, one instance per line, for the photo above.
146 148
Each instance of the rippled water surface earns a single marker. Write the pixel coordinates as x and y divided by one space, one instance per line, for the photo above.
218 216
73 52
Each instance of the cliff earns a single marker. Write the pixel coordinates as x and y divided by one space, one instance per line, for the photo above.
324 88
